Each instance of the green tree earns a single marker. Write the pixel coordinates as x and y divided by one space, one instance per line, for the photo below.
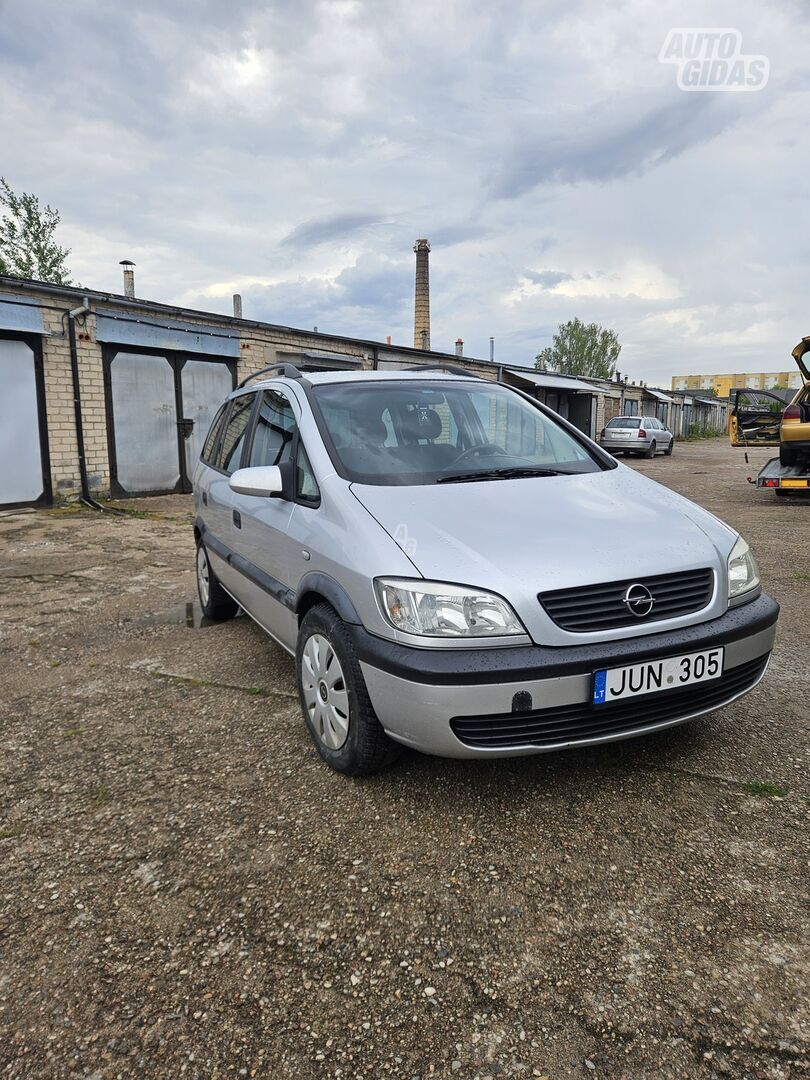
580 348
27 245
709 392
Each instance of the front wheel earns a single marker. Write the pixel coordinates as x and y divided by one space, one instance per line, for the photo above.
668 450
216 604
334 698
651 451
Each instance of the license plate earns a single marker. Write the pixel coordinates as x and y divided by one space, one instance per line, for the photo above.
653 676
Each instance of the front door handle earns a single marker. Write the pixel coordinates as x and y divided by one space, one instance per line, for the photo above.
237 519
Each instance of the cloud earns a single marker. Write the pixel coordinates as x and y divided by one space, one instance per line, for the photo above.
546 279
294 151
324 230
609 146
369 298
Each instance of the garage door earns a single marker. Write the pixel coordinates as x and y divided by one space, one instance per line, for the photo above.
160 406
204 385
24 479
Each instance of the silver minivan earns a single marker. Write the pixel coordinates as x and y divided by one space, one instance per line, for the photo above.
457 569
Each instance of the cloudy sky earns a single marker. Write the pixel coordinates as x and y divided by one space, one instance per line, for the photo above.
293 151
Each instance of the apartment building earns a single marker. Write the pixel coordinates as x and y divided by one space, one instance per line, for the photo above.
752 380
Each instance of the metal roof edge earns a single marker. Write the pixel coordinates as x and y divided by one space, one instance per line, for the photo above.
175 312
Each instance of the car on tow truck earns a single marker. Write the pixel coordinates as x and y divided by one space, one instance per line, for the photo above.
457 569
761 418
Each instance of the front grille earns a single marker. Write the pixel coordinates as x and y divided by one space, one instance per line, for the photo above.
602 607
576 723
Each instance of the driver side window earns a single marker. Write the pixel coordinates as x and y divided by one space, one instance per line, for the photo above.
276 442
275 431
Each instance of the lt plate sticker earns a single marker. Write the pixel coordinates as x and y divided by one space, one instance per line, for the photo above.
611 684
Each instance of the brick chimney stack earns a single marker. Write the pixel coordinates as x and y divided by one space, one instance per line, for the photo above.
129 277
421 314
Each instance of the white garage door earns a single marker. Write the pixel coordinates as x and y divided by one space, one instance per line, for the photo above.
21 475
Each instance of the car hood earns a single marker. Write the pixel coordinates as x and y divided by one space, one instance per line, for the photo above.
532 534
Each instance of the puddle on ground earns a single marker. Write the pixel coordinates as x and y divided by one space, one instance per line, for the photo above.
190 615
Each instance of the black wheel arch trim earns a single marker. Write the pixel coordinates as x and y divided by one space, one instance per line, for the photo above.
331 591
446 667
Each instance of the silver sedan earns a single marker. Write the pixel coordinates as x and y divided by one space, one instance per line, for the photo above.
644 435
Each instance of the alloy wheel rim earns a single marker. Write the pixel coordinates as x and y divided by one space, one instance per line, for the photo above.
203 578
325 695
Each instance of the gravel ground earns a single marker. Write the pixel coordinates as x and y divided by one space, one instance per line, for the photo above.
187 891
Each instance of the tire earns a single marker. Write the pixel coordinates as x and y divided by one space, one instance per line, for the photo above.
668 450
345 729
216 604
787 456
651 450
782 493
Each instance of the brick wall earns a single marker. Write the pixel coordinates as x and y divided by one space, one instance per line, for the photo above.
60 407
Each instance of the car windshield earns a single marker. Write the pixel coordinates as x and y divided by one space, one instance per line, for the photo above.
624 422
407 432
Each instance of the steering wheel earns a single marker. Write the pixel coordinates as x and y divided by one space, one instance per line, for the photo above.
484 448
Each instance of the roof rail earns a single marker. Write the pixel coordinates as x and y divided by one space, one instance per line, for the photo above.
454 369
289 371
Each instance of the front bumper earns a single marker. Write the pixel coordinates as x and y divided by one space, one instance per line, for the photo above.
534 699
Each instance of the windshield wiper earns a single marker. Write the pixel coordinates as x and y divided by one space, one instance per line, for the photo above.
507 473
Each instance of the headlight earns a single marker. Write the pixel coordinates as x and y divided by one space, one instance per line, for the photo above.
434 609
743 572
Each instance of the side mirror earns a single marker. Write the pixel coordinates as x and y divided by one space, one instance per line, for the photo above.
263 481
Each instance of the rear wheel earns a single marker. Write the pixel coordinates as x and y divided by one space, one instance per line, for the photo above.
334 698
651 450
216 604
668 450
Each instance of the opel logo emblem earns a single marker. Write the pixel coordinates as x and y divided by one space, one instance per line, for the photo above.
639 600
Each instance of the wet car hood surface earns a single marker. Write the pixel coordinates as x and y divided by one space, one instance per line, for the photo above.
551 532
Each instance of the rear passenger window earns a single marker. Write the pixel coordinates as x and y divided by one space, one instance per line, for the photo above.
213 434
233 438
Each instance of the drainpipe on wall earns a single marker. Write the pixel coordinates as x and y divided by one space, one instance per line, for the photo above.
85 496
